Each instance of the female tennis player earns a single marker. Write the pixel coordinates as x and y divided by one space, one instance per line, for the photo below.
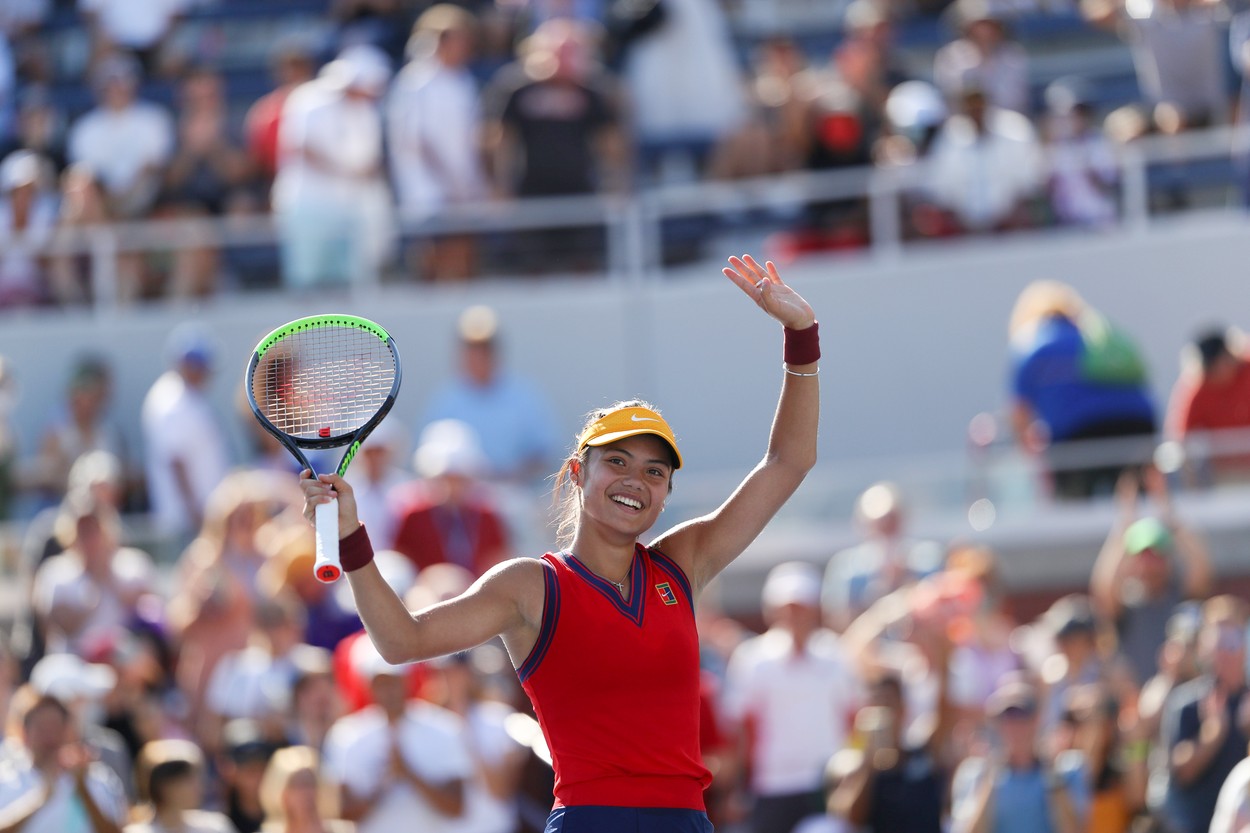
602 633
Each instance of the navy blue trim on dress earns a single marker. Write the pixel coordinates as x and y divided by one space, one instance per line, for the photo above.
637 578
551 615
669 566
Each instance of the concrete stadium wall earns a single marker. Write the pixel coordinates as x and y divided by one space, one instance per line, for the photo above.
914 346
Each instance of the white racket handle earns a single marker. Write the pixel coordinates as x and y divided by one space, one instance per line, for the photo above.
328 568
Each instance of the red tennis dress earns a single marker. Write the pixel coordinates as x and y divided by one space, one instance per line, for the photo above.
615 685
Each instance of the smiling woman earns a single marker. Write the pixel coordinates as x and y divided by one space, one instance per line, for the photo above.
602 632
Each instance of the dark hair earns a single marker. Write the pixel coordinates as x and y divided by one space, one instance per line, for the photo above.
1211 345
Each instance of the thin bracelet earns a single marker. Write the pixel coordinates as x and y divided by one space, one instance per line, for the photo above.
796 373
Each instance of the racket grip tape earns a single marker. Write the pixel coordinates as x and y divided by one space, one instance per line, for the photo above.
327 568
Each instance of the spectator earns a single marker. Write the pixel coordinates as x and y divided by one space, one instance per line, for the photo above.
1147 566
985 167
510 416
40 127
91 591
255 682
84 206
125 141
1018 788
457 683
448 517
375 473
142 30
204 177
552 130
330 197
293 797
983 57
80 425
1089 724
84 688
1084 175
775 137
292 63
217 589
793 692
914 113
1203 728
1179 49
892 781
1077 663
1212 396
434 125
52 785
315 702
170 775
1076 376
186 444
884 561
398 764
683 81
27 224
242 765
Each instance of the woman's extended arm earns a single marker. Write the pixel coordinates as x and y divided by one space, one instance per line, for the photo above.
706 545
506 601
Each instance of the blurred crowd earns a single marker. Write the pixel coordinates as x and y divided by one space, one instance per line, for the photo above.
195 676
406 112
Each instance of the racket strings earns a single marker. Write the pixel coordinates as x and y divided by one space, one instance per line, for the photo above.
324 381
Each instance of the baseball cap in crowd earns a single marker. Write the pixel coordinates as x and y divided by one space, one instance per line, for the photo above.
68 677
1147 534
629 422
795 582
449 446
1070 616
1015 697
360 67
478 324
913 106
191 342
244 742
19 168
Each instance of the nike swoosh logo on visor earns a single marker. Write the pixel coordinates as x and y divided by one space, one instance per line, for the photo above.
636 418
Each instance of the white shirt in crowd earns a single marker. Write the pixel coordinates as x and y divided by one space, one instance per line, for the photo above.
433 122
357 756
119 144
251 683
64 811
20 270
1003 74
135 25
801 706
1083 171
63 582
982 177
490 742
1232 808
179 424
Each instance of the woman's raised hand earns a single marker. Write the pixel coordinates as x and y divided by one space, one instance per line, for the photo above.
764 286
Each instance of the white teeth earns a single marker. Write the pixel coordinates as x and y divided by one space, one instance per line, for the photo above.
627 501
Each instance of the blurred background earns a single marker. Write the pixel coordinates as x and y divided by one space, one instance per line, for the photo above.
1022 225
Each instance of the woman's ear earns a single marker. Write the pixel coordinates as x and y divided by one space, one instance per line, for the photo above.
575 472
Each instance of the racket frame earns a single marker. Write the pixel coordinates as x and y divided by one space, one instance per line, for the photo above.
327 568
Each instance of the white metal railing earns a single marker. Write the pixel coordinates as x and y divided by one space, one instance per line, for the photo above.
634 221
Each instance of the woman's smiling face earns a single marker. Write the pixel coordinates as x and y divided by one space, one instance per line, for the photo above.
624 484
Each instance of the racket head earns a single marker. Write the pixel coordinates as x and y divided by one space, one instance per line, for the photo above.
323 381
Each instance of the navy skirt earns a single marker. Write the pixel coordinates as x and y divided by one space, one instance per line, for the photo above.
626 820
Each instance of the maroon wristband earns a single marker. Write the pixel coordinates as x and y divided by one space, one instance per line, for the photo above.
355 551
801 346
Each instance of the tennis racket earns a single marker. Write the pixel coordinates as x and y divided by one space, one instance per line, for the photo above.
321 382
